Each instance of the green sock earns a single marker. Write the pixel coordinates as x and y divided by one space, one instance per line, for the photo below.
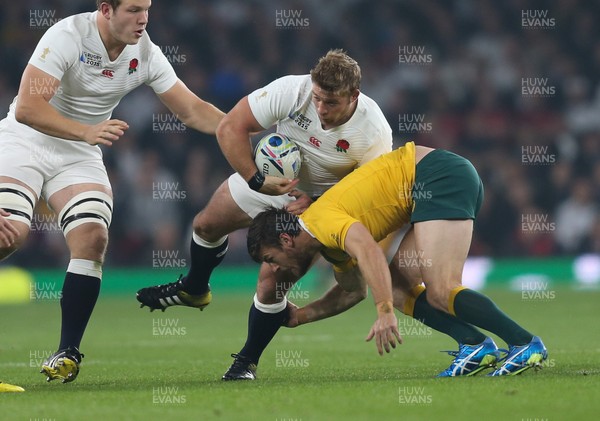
460 331
477 309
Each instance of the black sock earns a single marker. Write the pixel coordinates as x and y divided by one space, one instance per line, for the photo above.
262 327
477 309
203 261
79 295
459 330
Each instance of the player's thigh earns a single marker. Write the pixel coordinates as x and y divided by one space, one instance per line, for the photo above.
81 195
443 245
21 176
232 207
18 199
221 216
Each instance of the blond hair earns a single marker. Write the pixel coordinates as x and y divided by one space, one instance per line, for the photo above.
337 72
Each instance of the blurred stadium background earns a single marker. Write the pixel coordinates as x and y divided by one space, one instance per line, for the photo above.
513 86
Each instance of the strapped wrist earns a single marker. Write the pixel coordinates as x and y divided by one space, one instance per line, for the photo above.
257 181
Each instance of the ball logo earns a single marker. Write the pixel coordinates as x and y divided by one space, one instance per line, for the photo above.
278 156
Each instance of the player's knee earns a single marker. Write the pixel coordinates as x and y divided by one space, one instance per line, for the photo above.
271 295
85 220
362 292
207 228
88 242
438 299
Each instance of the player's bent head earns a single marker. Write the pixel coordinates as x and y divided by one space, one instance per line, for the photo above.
337 73
112 3
266 230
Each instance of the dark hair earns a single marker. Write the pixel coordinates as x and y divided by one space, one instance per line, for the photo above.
113 3
266 228
337 72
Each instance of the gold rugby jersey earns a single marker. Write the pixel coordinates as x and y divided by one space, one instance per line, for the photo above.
378 195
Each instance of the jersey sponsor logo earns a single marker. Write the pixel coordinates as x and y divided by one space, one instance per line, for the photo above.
108 73
301 120
133 64
342 145
90 59
315 142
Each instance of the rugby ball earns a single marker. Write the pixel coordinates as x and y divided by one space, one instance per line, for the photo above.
278 156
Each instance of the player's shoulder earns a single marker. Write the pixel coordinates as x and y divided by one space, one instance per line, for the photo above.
290 89
78 26
367 105
369 116
292 83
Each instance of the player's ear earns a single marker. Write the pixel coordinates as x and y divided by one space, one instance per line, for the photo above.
354 95
286 240
105 10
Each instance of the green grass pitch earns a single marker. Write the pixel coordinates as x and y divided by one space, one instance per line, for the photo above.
167 366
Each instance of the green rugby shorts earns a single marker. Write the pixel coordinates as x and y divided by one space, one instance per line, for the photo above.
447 186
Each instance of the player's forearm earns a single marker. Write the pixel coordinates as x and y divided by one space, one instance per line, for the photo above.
335 301
44 118
373 266
204 117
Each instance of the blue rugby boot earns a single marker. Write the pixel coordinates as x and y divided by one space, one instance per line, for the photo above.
521 358
471 359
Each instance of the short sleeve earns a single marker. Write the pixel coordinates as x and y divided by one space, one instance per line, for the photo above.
161 75
56 52
275 101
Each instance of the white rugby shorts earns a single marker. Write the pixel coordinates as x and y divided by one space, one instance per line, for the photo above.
253 202
47 164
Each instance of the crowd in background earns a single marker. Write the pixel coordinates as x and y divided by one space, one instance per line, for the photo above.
513 86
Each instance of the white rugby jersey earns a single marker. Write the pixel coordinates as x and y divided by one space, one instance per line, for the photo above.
327 155
92 85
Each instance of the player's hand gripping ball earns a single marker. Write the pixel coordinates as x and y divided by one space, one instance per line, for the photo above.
276 155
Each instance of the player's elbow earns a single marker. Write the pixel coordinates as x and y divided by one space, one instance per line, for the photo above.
224 129
23 113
